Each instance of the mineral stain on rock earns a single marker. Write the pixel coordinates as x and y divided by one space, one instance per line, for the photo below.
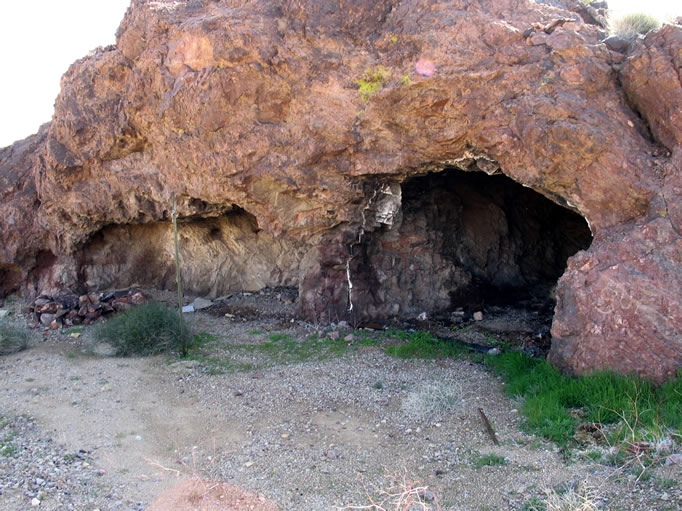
518 149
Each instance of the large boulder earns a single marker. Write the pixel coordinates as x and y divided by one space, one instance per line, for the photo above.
294 135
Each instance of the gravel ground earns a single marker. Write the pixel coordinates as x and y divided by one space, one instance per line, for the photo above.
315 434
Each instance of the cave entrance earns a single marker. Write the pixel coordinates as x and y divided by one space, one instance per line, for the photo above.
464 242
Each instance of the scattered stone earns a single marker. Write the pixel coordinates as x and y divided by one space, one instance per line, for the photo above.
4 313
478 316
349 338
422 317
494 351
285 435
188 308
343 324
334 335
35 502
67 310
201 303
617 43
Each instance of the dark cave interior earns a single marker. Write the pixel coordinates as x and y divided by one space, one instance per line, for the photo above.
467 241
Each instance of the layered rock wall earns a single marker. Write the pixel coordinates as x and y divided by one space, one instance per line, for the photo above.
254 106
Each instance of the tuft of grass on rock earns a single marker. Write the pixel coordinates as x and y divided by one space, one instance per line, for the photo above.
12 339
631 26
146 329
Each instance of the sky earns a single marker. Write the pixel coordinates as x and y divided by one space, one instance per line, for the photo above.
39 39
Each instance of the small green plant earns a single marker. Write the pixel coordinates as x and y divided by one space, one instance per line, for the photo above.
405 81
488 460
631 26
145 329
394 38
12 339
372 80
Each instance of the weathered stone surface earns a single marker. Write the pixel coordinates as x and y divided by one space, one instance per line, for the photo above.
651 79
249 113
619 304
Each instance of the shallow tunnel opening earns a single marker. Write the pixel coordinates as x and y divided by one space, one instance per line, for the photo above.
465 242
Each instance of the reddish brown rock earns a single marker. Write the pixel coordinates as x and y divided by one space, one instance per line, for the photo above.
651 79
619 304
286 174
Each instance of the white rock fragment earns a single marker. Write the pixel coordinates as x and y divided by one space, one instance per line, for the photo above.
478 316
201 303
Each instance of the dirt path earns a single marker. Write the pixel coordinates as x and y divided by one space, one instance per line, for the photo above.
305 435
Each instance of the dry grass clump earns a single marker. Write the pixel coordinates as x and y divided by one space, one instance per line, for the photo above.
632 25
578 498
430 402
12 339
403 494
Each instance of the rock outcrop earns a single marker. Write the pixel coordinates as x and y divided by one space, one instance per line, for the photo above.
321 144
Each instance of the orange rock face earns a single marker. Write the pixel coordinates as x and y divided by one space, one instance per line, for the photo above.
293 129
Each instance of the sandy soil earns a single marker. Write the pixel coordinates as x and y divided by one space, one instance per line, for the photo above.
266 431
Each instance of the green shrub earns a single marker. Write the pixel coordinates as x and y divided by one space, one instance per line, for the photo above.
12 339
630 26
146 329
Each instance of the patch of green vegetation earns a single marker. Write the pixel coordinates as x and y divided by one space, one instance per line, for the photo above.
379 385
606 398
394 38
405 81
203 338
631 26
145 329
594 455
7 447
533 504
71 355
12 339
74 330
290 350
255 332
423 345
367 341
372 81
667 483
278 337
488 460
